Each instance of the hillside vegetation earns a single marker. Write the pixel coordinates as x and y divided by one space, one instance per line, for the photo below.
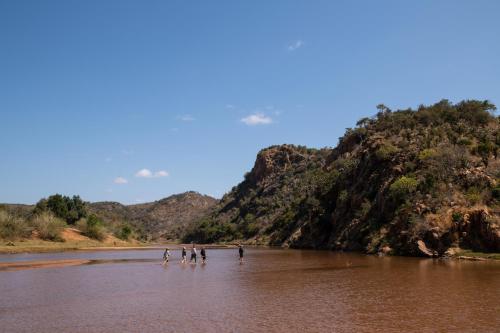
166 218
110 222
410 182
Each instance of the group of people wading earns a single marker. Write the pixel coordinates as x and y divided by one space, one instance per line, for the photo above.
194 255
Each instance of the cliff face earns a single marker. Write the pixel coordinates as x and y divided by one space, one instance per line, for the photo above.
412 182
166 218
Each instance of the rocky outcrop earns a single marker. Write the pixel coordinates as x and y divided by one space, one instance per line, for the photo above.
480 231
409 182
276 160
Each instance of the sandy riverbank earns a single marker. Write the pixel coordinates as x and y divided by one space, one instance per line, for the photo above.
39 246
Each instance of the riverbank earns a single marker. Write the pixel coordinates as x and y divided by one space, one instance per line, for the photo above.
40 246
471 255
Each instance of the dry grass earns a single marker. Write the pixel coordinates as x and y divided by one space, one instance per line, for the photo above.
72 240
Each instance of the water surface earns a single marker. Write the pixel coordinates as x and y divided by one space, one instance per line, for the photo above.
272 291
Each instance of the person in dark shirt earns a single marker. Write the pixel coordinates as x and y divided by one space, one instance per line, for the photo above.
203 255
184 255
240 250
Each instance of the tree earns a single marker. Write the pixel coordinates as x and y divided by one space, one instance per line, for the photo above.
383 109
484 150
57 204
63 207
76 209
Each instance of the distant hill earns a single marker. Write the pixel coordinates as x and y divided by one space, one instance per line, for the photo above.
410 182
166 218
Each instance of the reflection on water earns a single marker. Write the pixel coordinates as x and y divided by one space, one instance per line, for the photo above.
272 291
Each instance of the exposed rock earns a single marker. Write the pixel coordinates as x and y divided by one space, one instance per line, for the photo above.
385 250
424 250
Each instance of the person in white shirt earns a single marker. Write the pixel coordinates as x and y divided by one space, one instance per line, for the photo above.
193 254
166 254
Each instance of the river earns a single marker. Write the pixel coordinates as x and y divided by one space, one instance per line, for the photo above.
273 290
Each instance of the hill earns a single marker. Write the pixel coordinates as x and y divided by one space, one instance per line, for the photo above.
163 219
409 182
166 218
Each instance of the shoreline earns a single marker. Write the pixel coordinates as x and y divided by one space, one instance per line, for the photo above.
54 247
11 266
31 246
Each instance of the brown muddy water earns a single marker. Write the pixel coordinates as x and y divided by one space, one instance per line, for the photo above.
272 291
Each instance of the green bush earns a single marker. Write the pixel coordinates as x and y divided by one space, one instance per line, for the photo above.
124 232
342 196
207 230
473 195
495 193
386 152
403 186
464 141
63 207
457 217
485 149
92 227
248 228
427 154
251 230
282 222
13 227
48 226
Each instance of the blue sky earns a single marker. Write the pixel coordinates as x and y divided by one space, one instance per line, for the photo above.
94 92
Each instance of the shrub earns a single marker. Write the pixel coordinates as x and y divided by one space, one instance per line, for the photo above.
456 217
427 154
251 230
92 227
495 193
484 149
473 195
365 208
124 232
48 226
386 152
464 141
13 227
207 230
342 196
345 165
403 186
282 221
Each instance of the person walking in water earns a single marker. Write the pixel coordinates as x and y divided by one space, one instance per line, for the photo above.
193 254
166 254
184 255
240 250
203 256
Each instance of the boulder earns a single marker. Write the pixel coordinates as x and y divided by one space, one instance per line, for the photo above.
425 251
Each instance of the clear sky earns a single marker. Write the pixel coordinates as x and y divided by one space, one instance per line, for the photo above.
94 92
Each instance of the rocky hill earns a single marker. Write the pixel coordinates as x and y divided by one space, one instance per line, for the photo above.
166 218
410 182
